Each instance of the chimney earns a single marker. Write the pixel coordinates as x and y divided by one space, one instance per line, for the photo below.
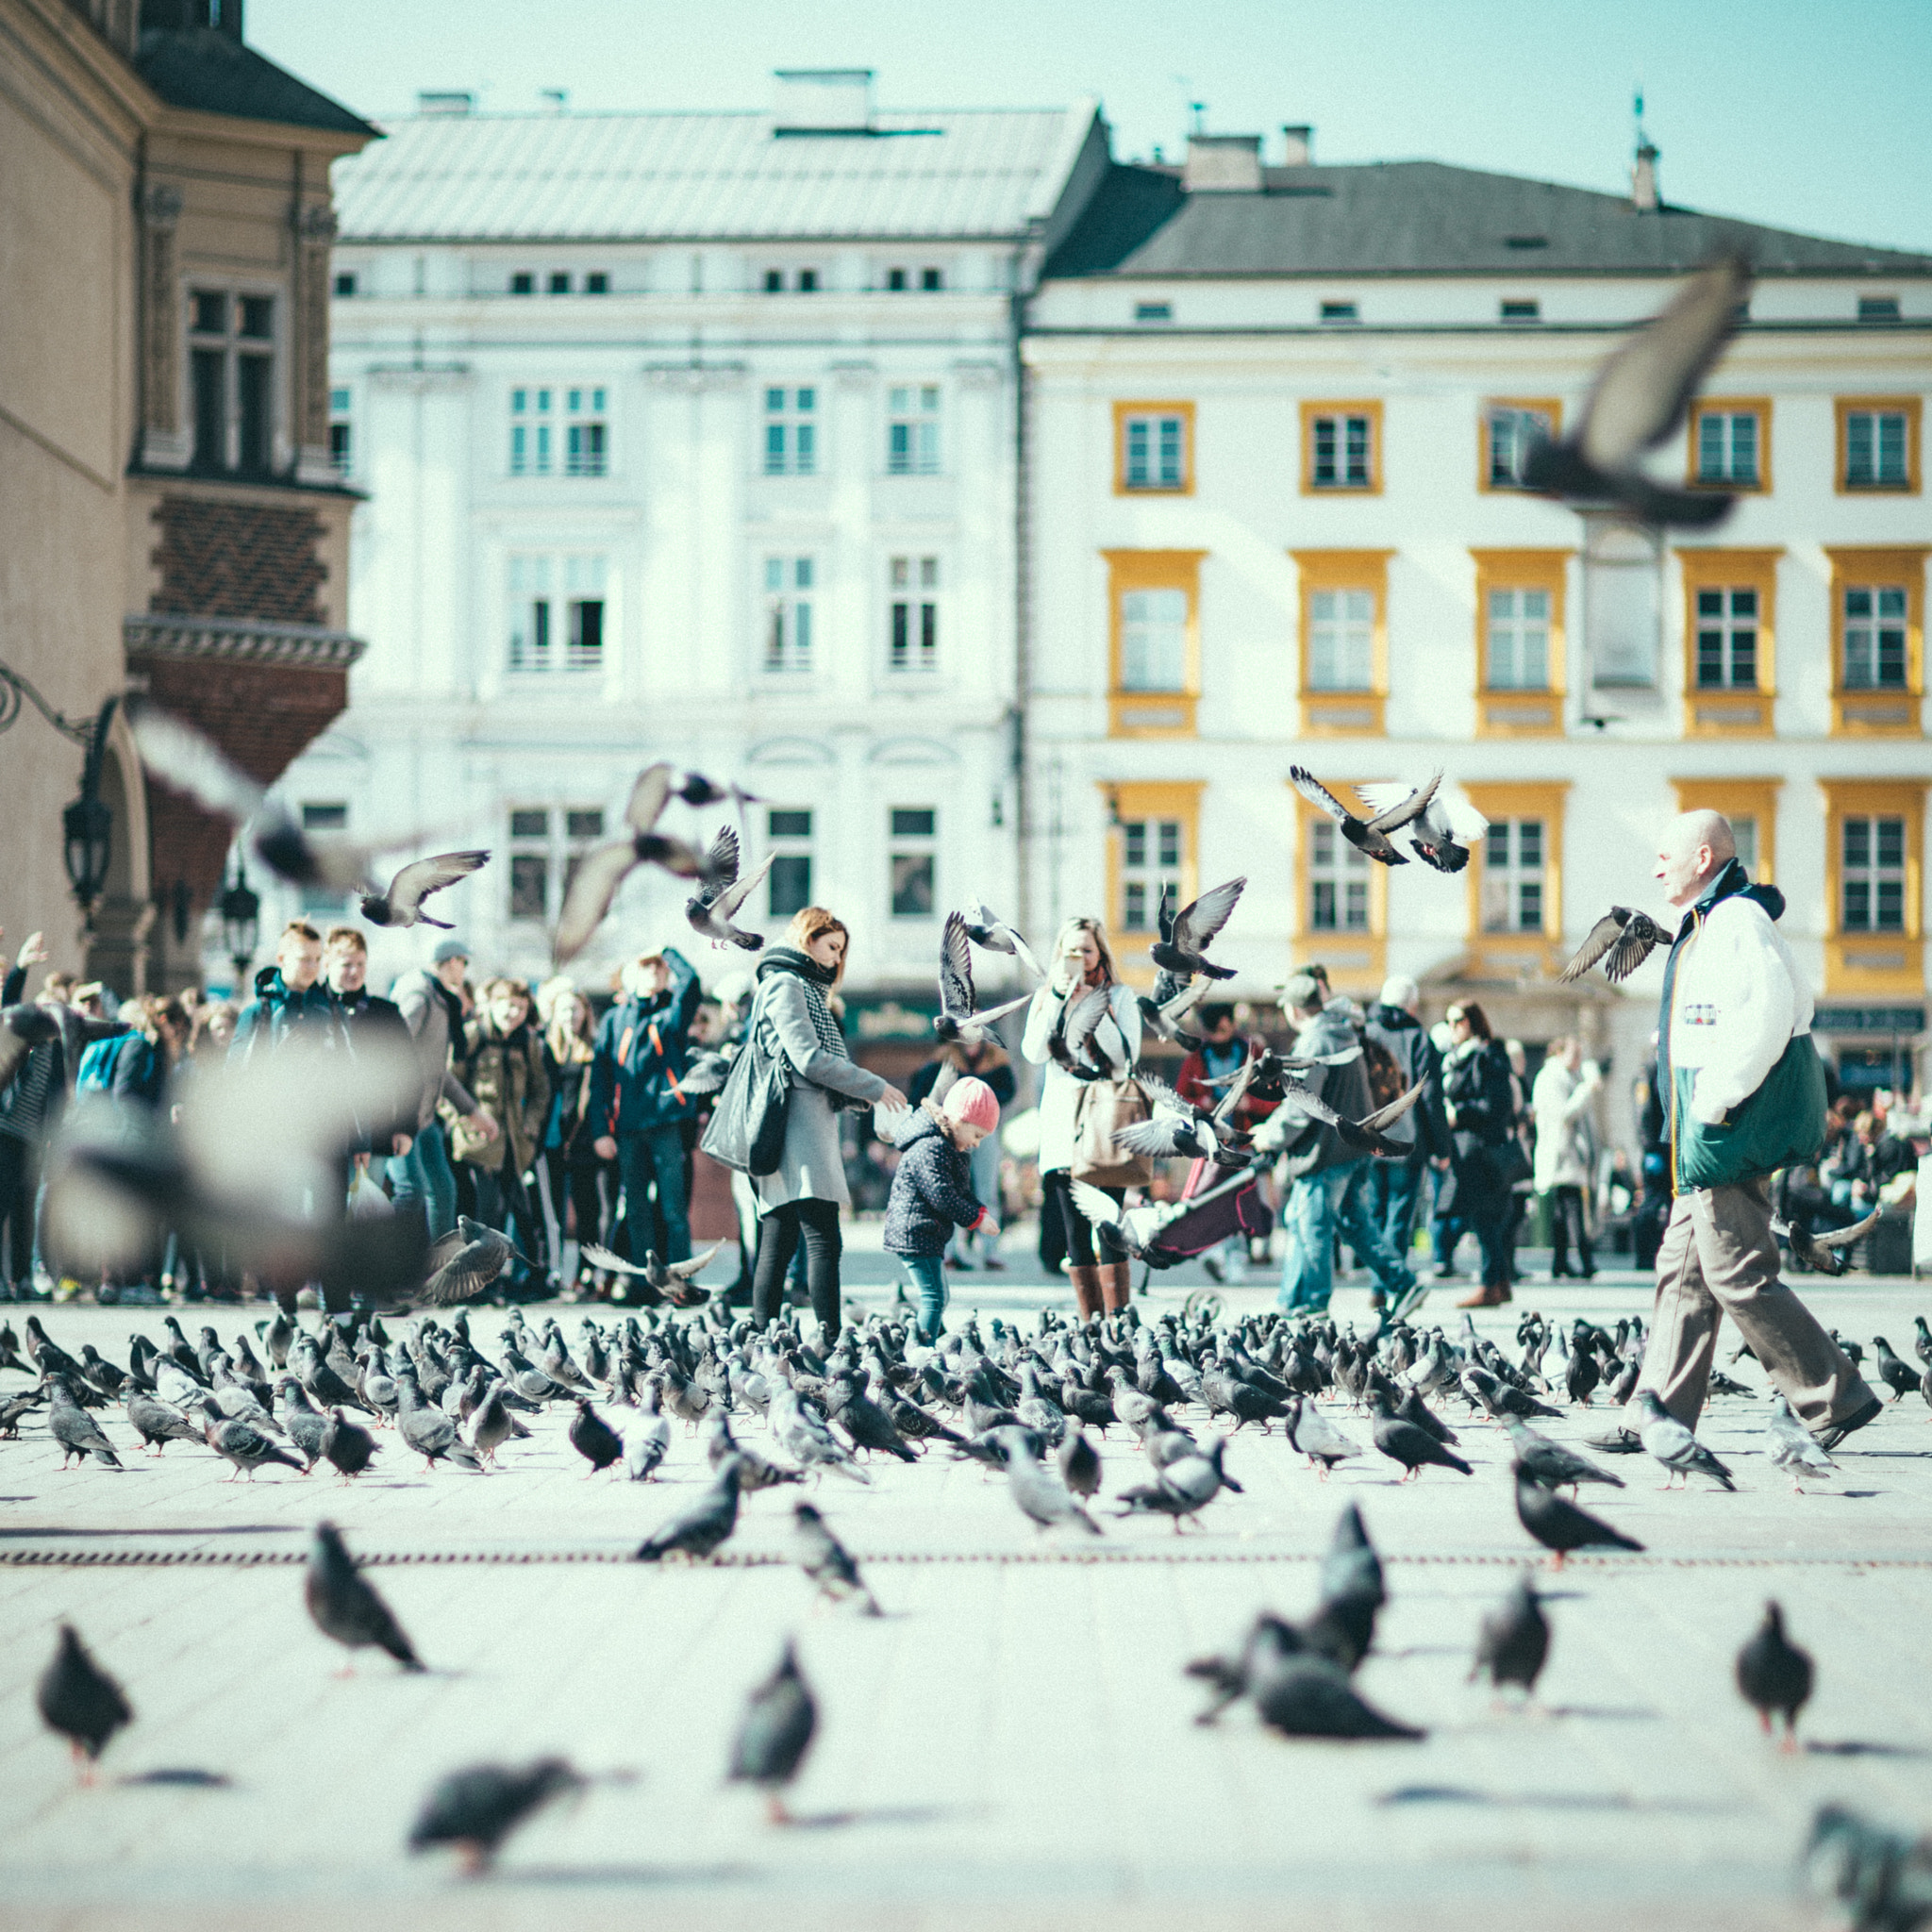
822 100
1643 194
1223 164
1299 150
445 101
556 99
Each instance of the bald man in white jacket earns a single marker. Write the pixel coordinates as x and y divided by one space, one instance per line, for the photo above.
1744 1096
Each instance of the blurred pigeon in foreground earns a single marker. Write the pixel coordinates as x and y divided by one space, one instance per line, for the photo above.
1773 1676
696 1533
1514 1640
344 1603
474 1810
81 1701
775 1734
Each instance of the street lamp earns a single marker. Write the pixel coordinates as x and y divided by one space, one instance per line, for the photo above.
241 909
87 830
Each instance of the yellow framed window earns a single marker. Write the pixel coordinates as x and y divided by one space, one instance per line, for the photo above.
1521 647
1341 449
1345 641
1153 848
1516 875
1878 641
1153 449
1751 805
1878 445
1512 427
1730 630
1154 625
1341 899
1729 444
1874 843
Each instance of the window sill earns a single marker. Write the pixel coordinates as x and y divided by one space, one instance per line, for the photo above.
1153 490
1518 715
1876 962
1734 486
1875 714
1907 488
1151 714
1727 714
1342 490
526 678
1342 714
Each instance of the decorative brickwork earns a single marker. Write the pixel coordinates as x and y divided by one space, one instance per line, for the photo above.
237 559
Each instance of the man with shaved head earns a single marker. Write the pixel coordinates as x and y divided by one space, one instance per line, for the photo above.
1743 1094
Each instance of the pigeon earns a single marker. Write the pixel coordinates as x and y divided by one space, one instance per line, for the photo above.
1184 1487
670 1279
158 1422
697 1532
593 1439
805 1438
1135 1228
76 1432
1352 1568
1161 1015
1550 1463
475 1809
348 1446
402 904
603 867
1883 1877
775 1734
1182 948
17 1407
754 1472
1074 1043
1317 1438
958 1017
1370 835
1079 1462
710 911
1367 1135
826 1561
491 1424
1792 1447
81 1701
1773 1676
1174 1127
1824 1253
466 1260
430 1433
646 1438
1037 1495
1414 1448
992 934
1623 940
1561 1527
244 1446
1639 397
25 1027
1666 1438
345 1605
1442 833
1514 1639
1309 1697
1900 1375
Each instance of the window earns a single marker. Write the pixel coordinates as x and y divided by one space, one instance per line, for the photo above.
1511 427
1340 312
895 281
913 614
1338 881
1343 643
1730 599
597 283
792 432
522 284
1730 443
1878 307
1153 311
1520 644
530 433
1519 640
1153 448
1871 875
345 283
1341 447
1878 443
788 629
1514 876
1875 637
557 612
808 280
1151 850
1751 805
789 883
1521 311
1150 871
1874 842
341 432
912 430
932 280
1726 642
546 845
774 281
560 282
913 850
1153 599
587 435
1877 604
231 373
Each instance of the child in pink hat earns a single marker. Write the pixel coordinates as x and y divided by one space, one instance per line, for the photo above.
932 1191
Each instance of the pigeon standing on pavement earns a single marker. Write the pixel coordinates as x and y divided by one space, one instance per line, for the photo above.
1561 1527
646 1438
1079 1462
1404 1443
1514 1640
699 1531
474 1810
1038 1495
775 1734
1670 1443
1550 1463
81 1701
347 1445
1775 1677
76 1432
158 1422
1309 1697
1792 1447
344 1603
826 1561
593 1439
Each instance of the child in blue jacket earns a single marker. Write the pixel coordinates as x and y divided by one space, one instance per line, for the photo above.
932 1192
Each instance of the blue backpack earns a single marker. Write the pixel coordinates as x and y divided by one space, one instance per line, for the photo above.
96 1074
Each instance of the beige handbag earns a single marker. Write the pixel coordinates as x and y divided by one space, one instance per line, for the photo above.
1103 1108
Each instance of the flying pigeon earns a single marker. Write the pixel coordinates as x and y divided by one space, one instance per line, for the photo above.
1627 937
711 909
1309 1697
1367 1135
1442 833
1182 947
1824 1253
1367 835
958 1017
466 1260
670 1279
402 904
992 934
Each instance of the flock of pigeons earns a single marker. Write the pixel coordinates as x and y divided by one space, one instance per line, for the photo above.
1034 1409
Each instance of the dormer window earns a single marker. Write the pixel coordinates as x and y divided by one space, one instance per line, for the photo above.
1340 312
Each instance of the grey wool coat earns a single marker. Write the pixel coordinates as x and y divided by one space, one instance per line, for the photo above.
813 1167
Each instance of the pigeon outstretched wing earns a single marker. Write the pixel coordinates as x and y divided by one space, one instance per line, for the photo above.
416 880
1200 922
1622 938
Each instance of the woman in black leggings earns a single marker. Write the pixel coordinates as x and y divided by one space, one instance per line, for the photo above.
801 1198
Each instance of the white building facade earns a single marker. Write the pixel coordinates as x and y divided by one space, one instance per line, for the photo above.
1271 424
690 436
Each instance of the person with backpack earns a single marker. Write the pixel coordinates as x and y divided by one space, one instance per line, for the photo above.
430 1002
502 1064
291 998
1479 1098
1399 1054
933 1193
1201 1082
1327 1196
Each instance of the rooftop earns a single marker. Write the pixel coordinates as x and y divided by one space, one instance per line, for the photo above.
1420 218
213 72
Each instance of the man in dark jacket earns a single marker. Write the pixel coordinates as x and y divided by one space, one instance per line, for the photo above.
1393 1188
290 998
1328 1177
637 1103
375 1025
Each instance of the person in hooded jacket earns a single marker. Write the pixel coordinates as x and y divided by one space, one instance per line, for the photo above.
1394 1188
933 1191
1479 1100
502 1064
291 998
430 1002
1744 1093
985 1060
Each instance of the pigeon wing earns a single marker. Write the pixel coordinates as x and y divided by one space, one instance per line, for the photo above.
184 761
1098 1209
955 967
721 867
588 903
1641 936
415 882
614 1264
1200 922
1643 390
1465 821
1844 1236
1392 818
648 797
1312 789
1158 1137
684 1270
734 896
1385 1117
1600 939
1163 1097
1303 1102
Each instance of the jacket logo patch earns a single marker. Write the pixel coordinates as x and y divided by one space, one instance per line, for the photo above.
1700 1013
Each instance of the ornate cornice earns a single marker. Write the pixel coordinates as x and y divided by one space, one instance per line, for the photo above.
242 640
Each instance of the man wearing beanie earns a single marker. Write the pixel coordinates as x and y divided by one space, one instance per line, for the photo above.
932 1191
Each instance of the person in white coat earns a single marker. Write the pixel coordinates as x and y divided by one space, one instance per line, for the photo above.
1566 1086
1081 960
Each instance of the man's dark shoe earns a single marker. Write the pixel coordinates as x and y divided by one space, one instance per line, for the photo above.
1831 1437
1618 1441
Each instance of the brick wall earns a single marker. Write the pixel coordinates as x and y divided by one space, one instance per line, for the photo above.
237 559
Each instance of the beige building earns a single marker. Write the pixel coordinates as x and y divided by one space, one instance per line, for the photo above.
170 518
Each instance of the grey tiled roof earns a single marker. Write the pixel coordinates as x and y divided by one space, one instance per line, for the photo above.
689 176
205 69
1421 218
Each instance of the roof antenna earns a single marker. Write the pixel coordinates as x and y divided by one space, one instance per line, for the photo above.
1200 113
1643 189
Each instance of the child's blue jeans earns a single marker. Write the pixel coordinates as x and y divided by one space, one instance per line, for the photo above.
927 1273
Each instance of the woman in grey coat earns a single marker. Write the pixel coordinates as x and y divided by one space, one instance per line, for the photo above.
801 1198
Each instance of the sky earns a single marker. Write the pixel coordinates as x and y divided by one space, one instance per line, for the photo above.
1807 114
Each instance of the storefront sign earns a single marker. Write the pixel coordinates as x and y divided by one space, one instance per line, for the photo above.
1868 1020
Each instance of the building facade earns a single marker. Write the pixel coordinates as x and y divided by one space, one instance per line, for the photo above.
690 436
1274 417
172 522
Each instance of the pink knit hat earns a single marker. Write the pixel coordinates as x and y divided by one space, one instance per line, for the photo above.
971 1104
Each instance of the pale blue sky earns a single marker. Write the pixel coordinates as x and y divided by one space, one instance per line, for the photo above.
1808 114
